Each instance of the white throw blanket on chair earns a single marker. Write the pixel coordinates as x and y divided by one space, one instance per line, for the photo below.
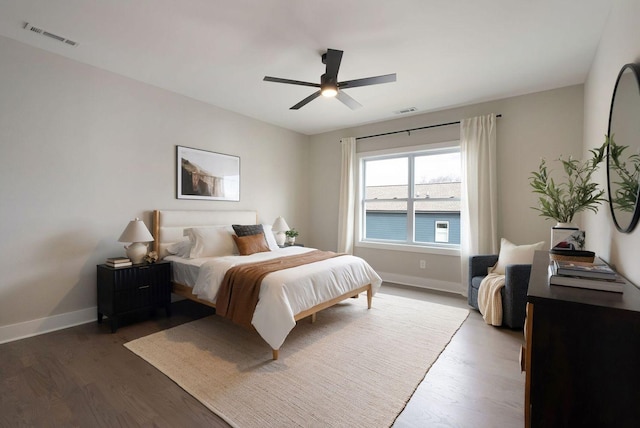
489 298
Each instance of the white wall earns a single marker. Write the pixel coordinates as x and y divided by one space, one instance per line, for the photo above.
83 151
545 124
620 44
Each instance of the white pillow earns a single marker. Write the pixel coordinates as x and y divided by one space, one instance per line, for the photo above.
271 238
211 241
180 248
511 254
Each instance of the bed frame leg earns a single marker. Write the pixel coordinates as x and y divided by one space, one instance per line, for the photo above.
314 317
275 354
369 297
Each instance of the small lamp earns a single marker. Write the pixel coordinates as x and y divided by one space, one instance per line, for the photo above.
138 234
328 87
279 228
328 90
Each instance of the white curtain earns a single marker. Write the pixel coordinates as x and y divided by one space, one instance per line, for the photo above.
347 206
479 205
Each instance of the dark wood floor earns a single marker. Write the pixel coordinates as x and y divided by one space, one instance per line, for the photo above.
83 376
476 381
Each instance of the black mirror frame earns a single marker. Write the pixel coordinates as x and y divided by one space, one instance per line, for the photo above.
635 68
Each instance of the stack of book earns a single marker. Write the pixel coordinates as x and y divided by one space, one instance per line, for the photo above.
594 276
117 262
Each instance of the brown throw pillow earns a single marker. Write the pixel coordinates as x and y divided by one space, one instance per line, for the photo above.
251 244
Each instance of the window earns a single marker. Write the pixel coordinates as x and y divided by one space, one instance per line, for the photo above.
411 198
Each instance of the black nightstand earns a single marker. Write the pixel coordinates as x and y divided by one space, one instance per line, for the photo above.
133 288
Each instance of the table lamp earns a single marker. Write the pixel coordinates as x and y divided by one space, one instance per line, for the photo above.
279 227
138 234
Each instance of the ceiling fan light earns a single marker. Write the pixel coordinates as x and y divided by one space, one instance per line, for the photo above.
329 91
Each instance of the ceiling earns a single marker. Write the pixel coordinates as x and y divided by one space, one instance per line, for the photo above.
446 53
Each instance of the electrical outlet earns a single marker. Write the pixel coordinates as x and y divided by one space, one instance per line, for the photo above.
423 264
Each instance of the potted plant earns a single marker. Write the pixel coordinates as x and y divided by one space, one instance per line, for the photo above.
291 236
562 200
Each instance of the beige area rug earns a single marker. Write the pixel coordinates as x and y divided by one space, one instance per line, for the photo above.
353 368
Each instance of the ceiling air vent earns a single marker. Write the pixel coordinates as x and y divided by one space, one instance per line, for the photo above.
48 34
406 110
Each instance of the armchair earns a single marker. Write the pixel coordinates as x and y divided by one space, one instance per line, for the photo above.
514 293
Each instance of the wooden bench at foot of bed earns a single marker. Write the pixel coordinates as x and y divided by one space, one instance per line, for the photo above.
185 291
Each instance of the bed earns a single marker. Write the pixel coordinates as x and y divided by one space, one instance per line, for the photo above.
285 296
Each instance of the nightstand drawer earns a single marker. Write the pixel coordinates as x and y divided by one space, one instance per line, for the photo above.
133 298
136 276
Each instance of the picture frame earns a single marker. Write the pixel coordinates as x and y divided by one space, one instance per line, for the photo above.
206 175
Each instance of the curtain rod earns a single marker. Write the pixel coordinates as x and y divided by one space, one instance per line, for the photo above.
413 129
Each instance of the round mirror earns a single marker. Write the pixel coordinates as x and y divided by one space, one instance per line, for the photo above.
623 151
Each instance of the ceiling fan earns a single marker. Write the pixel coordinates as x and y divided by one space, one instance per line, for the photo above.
329 85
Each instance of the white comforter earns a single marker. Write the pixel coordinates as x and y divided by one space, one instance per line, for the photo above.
290 291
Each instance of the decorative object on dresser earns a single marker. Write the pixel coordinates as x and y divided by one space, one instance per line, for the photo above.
134 288
205 175
585 275
579 354
613 285
279 228
567 243
138 234
598 270
561 198
567 236
572 255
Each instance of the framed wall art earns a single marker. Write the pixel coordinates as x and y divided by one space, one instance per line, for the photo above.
205 175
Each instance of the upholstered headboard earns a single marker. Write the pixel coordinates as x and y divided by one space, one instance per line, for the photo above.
169 225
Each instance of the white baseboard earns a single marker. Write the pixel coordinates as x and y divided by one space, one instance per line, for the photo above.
415 281
9 333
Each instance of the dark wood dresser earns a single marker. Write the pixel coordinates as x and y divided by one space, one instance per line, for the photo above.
581 354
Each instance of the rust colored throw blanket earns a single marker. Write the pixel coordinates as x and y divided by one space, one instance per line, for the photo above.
238 294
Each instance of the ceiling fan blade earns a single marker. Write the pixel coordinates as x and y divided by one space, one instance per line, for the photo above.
306 101
348 101
387 78
289 81
333 60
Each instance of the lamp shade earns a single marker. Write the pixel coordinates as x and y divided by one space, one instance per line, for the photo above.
280 225
136 231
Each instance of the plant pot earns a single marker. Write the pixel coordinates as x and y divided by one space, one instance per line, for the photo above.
566 236
291 240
